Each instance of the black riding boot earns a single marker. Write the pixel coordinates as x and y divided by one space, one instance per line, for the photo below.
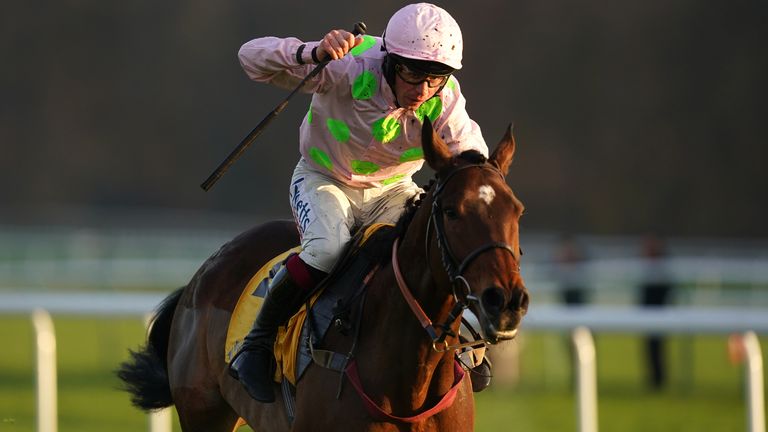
252 365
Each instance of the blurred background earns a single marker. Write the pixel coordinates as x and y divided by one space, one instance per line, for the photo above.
641 140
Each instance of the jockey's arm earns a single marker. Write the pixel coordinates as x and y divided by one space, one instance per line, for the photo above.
284 62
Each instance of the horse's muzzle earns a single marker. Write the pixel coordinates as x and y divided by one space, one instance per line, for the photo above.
500 318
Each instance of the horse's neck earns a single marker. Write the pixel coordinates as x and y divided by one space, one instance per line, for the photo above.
394 326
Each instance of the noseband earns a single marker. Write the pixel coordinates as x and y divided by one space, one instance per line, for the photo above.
454 271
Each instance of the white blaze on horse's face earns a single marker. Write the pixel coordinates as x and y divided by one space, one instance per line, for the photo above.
487 194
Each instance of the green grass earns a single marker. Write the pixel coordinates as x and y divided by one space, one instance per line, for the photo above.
704 393
87 353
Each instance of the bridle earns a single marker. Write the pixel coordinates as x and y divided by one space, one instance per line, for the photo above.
454 268
439 344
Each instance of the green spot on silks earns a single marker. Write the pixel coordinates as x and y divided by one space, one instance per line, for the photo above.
393 179
385 129
338 129
364 167
432 108
451 83
321 158
412 154
367 43
364 86
309 114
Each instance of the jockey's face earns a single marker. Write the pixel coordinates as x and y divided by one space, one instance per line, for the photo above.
411 96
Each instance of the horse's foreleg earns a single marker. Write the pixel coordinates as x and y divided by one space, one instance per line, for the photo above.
261 417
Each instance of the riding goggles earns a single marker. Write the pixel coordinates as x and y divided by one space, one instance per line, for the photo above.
413 77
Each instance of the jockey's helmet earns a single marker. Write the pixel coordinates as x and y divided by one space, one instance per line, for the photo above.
425 32
425 38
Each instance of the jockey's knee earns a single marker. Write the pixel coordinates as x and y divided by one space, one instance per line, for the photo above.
303 274
322 259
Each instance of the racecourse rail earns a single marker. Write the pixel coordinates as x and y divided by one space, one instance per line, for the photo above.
580 321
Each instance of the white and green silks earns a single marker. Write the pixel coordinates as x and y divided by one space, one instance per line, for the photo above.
354 130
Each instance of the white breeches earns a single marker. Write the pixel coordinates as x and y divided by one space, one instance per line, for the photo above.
328 213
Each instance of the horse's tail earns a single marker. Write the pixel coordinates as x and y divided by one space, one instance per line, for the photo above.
145 375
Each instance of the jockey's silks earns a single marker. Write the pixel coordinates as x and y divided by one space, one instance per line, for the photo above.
353 130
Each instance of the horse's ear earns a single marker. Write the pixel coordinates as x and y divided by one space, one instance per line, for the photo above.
436 151
505 151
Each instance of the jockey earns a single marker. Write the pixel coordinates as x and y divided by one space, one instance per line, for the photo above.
360 144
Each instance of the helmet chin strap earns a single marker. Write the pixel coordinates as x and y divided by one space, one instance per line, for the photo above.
388 68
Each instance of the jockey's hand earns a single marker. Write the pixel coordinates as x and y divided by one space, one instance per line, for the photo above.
336 44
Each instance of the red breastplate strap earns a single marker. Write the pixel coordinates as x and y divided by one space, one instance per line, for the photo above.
379 414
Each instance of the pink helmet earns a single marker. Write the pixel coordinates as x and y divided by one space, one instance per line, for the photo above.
423 31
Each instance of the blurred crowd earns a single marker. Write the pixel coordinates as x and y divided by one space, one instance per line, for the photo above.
654 290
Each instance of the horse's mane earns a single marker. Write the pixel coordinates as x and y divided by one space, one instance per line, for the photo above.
472 156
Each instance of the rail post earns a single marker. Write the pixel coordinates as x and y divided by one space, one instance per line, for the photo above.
45 338
160 420
586 379
754 383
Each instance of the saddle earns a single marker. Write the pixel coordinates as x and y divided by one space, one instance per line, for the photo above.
346 280
331 303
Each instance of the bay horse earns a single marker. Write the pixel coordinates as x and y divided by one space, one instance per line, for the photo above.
457 248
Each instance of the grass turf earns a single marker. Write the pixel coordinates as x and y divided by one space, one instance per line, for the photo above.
705 391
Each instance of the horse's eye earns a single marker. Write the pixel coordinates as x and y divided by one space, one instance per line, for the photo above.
451 213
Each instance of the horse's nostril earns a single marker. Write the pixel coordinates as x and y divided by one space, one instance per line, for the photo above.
493 300
519 301
524 300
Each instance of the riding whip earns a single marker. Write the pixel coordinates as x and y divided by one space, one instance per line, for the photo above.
359 29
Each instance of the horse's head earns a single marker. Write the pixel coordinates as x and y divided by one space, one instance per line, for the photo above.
475 219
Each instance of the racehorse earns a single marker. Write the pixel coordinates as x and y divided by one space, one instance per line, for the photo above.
457 248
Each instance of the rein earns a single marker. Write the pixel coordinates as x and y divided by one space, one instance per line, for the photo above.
348 365
455 271
426 323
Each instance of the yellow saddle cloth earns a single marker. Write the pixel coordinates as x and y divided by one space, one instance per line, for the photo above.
247 309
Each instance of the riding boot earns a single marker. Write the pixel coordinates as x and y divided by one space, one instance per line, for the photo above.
253 363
